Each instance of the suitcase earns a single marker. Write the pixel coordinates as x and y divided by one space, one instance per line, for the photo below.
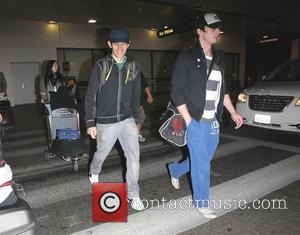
5 104
70 148
17 219
67 134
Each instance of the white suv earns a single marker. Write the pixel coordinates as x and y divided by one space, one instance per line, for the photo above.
275 102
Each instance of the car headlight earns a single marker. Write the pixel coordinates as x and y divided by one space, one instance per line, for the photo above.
298 102
242 97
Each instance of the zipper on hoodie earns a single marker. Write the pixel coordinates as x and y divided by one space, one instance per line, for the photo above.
119 95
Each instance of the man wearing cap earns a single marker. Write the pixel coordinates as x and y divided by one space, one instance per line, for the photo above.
112 105
199 93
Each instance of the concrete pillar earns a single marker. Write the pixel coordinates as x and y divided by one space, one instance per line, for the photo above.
295 48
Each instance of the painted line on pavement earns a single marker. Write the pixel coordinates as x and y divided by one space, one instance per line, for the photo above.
33 140
18 134
38 197
265 143
30 150
249 187
59 192
25 152
234 147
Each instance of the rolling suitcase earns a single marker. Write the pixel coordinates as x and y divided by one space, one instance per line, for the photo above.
5 104
65 148
17 219
71 150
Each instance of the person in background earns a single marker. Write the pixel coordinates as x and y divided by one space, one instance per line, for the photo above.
198 91
71 84
52 81
142 116
3 84
111 110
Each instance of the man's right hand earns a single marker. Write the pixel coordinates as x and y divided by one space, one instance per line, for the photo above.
150 99
182 109
188 121
92 131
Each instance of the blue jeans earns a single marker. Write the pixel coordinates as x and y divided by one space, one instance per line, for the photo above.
127 134
202 141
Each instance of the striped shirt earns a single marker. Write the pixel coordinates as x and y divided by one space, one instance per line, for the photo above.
213 86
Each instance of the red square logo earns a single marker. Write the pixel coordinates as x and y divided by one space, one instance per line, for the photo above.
110 202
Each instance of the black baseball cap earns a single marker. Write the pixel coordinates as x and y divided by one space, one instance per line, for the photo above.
119 35
210 20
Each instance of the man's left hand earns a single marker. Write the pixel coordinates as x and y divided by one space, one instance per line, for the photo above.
238 119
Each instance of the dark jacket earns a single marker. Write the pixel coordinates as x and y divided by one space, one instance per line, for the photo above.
46 86
113 94
189 79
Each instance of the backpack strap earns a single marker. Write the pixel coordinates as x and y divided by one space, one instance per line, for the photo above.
132 69
103 64
9 183
106 68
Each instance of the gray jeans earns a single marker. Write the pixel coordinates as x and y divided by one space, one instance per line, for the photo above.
127 134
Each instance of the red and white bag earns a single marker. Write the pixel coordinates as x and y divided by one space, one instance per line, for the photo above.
7 195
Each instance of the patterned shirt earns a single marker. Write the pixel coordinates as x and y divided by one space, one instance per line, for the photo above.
213 86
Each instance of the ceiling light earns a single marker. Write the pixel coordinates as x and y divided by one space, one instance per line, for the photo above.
52 22
92 21
267 40
221 32
152 29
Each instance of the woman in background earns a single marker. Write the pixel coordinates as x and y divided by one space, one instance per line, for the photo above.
52 81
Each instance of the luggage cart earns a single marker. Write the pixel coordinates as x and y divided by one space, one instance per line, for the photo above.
64 118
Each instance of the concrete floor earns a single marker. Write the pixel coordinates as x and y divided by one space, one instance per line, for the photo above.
62 200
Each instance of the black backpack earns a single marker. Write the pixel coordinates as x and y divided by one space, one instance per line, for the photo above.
173 128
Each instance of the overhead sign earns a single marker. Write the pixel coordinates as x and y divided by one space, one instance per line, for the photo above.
180 27
165 32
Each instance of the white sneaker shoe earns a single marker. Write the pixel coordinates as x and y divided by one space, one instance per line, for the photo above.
93 178
136 204
175 182
206 212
